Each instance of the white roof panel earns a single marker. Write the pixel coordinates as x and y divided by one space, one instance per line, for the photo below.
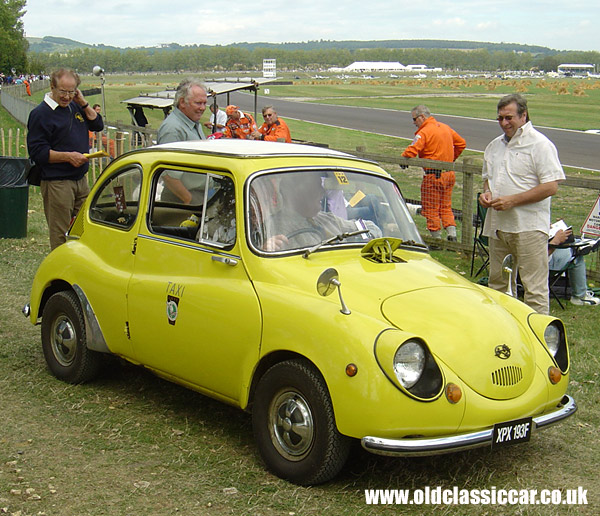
235 147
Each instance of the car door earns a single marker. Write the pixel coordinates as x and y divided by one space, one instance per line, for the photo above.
193 313
109 239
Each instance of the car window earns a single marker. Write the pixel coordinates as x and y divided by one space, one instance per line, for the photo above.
218 222
181 187
194 205
293 210
117 201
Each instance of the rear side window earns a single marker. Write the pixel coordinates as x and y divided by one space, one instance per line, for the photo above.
193 205
117 201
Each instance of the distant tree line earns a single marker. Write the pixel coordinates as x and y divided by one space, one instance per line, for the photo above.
13 45
240 58
400 43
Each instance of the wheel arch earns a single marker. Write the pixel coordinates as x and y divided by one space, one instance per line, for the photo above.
94 336
269 361
54 287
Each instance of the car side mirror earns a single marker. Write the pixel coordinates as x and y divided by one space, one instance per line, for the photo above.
508 273
329 281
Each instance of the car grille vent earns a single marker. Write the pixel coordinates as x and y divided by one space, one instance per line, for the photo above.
381 250
507 376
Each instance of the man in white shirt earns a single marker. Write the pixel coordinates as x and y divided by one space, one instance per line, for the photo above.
219 125
521 172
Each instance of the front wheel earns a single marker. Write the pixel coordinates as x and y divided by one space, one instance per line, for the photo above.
294 425
64 340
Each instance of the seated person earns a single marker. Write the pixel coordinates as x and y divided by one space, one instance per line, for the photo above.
274 129
558 259
239 124
301 221
360 206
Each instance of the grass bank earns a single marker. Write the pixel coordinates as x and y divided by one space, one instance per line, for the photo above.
131 443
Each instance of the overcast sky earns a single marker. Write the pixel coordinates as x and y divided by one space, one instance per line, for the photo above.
562 25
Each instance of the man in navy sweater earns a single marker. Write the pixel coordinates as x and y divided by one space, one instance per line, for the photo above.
57 140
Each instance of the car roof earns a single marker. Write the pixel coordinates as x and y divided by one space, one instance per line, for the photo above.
252 148
250 153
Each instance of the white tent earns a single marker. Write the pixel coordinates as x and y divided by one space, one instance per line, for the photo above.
375 66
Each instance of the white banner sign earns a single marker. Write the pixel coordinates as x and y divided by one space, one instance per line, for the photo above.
591 226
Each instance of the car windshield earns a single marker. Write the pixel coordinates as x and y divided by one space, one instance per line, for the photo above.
295 210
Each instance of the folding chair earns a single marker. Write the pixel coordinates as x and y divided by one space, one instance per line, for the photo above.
560 275
480 242
579 248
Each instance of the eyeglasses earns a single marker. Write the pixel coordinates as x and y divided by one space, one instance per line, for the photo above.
508 118
268 114
415 118
66 93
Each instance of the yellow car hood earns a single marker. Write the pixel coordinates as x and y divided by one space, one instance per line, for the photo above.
473 335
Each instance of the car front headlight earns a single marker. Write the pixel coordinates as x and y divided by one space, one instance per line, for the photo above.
552 334
556 342
409 363
552 338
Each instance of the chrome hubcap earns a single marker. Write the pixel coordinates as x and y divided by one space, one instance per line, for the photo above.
64 340
291 425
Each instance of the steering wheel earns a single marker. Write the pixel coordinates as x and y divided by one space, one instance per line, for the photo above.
301 231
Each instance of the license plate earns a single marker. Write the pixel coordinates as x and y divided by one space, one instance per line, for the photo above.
511 432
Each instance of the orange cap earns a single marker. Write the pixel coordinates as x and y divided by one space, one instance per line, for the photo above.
231 109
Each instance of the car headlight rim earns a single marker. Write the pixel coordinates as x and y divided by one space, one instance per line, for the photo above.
556 343
429 385
409 363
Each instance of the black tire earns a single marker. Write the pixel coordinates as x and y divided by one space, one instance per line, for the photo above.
294 424
64 340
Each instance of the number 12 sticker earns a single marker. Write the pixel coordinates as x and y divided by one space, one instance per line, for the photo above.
341 177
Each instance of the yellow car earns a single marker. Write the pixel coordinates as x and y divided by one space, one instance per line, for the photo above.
290 281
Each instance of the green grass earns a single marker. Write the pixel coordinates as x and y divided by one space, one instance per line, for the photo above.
7 121
130 443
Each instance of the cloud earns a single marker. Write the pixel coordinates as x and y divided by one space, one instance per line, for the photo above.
121 23
450 22
485 26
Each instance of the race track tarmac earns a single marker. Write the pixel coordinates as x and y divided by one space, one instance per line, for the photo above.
575 148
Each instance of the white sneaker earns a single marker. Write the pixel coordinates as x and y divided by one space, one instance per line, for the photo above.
587 300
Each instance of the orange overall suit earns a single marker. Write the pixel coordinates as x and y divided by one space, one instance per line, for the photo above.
240 128
275 131
438 141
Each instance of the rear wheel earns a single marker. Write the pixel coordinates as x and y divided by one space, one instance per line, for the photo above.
64 340
294 425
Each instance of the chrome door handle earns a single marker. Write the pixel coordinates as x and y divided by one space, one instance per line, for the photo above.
225 259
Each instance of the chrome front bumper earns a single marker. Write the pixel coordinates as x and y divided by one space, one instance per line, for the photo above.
452 443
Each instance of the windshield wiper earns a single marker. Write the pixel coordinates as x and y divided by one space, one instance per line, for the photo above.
336 238
412 243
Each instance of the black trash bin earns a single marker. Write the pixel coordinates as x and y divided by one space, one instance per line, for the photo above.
14 197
